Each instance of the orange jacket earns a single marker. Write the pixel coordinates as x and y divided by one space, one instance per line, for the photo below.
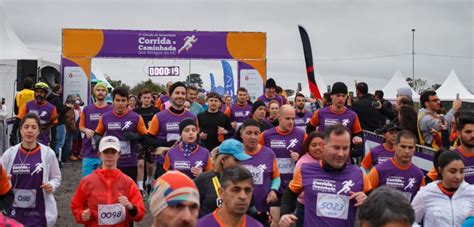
103 187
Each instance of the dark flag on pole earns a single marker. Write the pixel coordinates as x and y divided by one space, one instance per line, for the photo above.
308 58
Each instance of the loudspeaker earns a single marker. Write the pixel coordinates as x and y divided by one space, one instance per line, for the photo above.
50 75
24 69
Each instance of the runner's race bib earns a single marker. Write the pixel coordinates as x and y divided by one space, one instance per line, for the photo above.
172 136
112 214
257 174
24 198
124 147
332 206
286 165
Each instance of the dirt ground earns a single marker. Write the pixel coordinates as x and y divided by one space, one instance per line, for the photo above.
71 175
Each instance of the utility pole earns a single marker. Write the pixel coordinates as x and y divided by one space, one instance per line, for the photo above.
413 54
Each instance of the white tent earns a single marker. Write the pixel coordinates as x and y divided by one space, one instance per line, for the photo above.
397 81
11 50
453 86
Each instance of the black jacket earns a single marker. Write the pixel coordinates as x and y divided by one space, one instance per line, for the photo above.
370 118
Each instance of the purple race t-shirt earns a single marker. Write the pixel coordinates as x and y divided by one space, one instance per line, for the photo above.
199 158
92 114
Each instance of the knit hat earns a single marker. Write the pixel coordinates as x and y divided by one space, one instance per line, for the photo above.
175 85
186 122
256 105
405 91
270 83
170 189
101 84
338 88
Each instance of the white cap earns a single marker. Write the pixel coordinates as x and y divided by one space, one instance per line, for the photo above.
109 142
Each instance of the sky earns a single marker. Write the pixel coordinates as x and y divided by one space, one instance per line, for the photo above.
351 40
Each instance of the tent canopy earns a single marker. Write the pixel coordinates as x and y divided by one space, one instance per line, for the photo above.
453 86
397 81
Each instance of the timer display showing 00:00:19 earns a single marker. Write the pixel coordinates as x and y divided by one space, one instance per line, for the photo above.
163 71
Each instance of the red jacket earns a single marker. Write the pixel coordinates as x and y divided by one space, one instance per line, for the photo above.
103 187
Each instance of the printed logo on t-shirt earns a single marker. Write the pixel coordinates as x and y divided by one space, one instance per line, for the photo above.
277 144
127 125
94 116
114 125
382 160
242 113
182 165
395 181
469 171
411 183
198 164
21 168
43 113
346 187
172 126
324 185
346 122
329 122
293 143
38 169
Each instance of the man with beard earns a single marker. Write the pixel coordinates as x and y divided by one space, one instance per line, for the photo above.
191 96
89 119
235 191
163 129
214 125
46 112
240 110
147 111
127 126
465 133
174 201
302 116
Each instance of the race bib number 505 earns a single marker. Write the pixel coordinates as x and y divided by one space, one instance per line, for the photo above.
111 214
332 206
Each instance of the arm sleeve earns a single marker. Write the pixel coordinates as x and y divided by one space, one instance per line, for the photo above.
154 127
288 202
79 203
261 139
367 161
167 163
54 172
313 122
367 187
209 165
136 200
227 112
275 172
356 128
22 112
82 121
100 127
141 128
418 207
54 116
373 178
4 183
275 184
432 175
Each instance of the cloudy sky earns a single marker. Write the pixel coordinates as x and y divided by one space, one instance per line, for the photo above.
351 40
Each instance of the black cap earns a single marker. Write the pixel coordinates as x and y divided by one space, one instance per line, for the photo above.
339 88
186 122
256 105
175 85
270 83
390 127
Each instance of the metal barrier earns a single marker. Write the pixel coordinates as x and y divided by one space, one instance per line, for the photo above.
423 157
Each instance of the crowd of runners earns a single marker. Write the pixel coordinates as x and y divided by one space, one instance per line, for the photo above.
195 158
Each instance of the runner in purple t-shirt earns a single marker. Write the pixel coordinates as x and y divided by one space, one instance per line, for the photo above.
270 93
240 110
399 172
302 116
382 152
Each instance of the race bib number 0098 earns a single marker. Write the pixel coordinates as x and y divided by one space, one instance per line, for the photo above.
332 206
111 214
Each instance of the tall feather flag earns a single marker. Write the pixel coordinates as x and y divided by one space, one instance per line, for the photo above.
213 82
308 58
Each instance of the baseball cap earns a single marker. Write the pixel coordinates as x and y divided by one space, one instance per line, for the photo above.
390 127
109 142
235 148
